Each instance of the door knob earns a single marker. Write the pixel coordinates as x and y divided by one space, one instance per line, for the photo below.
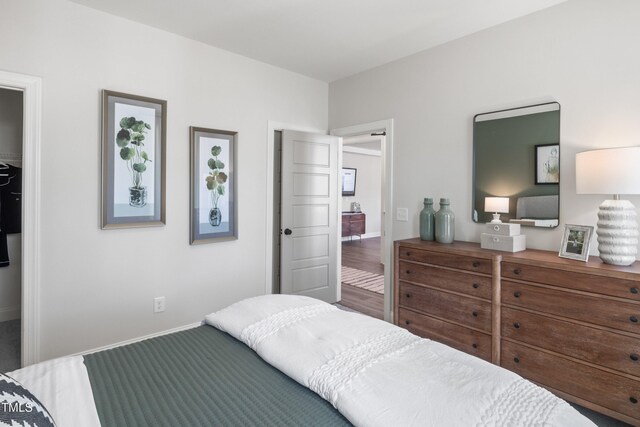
287 231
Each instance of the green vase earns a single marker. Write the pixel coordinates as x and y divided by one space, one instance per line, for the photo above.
445 223
427 220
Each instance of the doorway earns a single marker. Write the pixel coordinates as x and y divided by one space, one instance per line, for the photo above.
11 125
386 224
362 272
31 88
273 198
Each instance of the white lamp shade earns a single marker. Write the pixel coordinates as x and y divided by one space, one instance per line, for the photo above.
608 171
496 204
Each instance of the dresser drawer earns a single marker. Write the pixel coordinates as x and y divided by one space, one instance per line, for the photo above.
594 385
471 284
614 314
464 339
470 263
580 281
466 311
600 347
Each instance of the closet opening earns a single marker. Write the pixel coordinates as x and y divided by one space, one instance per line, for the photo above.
11 244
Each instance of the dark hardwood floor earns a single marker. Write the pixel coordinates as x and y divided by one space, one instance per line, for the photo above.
363 255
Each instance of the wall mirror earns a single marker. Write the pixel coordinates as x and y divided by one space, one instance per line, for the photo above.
516 154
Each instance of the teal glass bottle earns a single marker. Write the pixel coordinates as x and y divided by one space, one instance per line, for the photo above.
445 223
427 220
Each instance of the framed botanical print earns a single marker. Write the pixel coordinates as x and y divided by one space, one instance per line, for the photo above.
214 178
133 160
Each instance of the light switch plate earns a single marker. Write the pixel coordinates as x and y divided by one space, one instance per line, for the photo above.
402 214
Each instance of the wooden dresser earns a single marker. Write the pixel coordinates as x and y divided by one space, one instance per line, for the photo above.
444 292
570 326
353 224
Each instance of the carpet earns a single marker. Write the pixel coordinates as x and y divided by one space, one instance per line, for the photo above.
363 279
9 345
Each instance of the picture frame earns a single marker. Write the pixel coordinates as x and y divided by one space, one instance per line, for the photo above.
576 240
547 163
349 181
213 200
133 160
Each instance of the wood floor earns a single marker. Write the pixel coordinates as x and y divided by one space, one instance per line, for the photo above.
363 255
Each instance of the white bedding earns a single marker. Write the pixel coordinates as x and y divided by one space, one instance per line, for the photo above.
377 374
374 373
63 387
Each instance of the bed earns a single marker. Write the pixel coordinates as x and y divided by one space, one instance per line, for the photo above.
288 360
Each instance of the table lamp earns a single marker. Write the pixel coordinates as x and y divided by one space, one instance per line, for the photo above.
497 205
612 171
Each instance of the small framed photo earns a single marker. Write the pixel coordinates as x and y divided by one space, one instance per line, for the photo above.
214 209
575 242
547 164
133 160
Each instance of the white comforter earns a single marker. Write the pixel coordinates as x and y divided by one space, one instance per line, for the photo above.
377 374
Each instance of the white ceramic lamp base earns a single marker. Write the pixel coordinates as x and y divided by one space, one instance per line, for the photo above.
617 232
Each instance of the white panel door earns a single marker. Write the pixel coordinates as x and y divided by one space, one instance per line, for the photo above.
309 215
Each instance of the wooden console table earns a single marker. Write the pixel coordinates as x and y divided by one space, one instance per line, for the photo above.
353 224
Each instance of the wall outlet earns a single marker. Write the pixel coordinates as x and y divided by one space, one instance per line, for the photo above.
402 214
159 304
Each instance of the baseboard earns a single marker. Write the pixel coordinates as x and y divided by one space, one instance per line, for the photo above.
9 313
133 340
364 236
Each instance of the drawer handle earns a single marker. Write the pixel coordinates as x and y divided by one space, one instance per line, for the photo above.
408 271
634 290
408 295
517 271
634 357
407 322
633 400
476 286
516 325
408 253
474 345
633 319
517 294
475 314
516 359
476 264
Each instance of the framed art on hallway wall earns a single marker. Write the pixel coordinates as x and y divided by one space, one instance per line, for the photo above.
133 160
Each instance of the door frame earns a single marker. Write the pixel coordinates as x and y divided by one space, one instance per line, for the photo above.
31 87
272 127
387 221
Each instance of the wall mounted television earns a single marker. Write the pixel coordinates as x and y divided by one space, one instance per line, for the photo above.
349 181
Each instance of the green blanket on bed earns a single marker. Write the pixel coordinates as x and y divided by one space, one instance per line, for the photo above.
199 377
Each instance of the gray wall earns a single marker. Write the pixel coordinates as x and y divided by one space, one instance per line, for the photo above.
579 53
97 286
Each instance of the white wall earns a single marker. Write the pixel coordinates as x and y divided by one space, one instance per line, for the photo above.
11 143
582 53
98 285
368 188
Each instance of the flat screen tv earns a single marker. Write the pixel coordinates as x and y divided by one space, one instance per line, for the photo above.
349 181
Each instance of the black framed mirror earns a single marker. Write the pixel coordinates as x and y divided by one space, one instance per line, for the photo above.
516 154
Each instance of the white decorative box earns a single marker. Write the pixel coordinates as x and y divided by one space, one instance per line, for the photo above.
503 229
499 242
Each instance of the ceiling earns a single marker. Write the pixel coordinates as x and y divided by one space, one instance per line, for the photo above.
323 39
